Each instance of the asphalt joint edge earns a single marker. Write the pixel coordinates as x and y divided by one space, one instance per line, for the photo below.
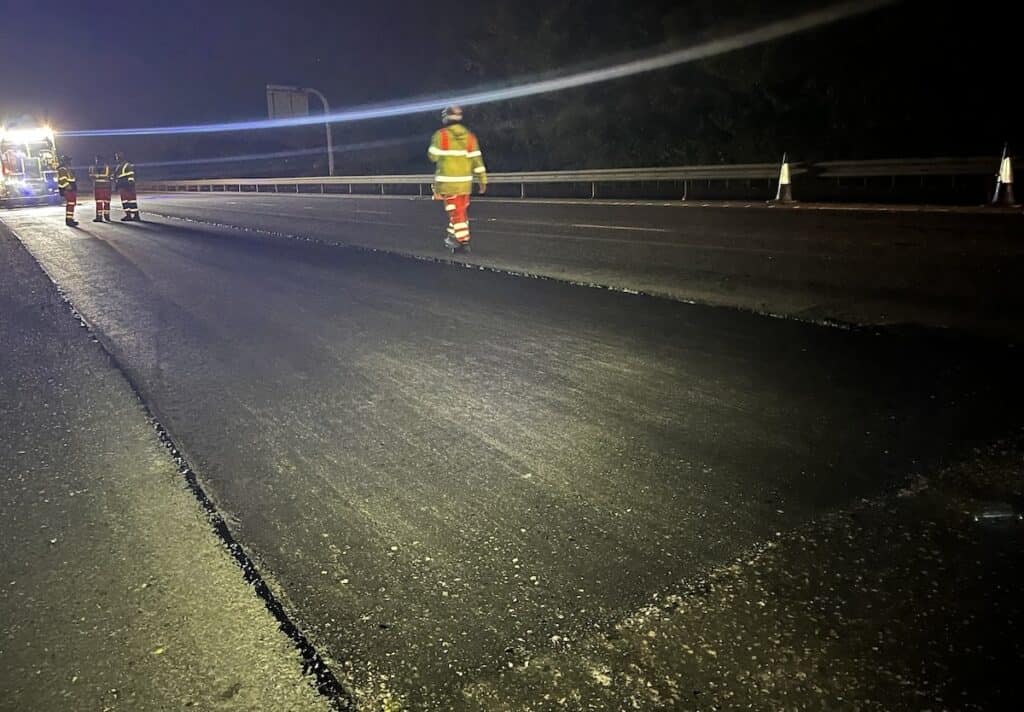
313 664
827 322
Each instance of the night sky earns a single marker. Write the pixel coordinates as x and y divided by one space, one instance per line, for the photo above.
196 61
201 60
916 79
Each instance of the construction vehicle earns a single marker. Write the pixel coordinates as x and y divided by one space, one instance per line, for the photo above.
28 157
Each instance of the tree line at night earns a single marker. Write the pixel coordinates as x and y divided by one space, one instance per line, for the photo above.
915 79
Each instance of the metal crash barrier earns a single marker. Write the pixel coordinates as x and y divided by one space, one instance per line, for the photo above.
958 178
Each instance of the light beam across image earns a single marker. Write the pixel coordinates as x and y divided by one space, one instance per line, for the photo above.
530 87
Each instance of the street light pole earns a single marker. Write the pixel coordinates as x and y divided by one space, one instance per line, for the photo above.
327 125
273 89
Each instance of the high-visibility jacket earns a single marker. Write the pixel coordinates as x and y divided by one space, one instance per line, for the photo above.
459 160
100 175
66 178
124 174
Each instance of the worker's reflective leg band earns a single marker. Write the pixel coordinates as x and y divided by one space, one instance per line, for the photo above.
458 217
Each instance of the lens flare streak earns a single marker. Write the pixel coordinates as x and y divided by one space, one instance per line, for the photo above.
765 33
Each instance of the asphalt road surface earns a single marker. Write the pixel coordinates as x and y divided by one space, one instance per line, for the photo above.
445 471
114 594
957 269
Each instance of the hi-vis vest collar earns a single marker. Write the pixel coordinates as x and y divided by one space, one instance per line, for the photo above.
445 149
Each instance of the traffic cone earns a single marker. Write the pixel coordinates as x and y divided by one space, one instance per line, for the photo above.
785 191
1003 194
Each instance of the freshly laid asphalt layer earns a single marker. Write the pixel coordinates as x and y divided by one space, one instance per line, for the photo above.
450 475
959 270
114 593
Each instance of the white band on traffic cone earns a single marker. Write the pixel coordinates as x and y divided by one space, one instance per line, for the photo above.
785 192
1006 171
1003 195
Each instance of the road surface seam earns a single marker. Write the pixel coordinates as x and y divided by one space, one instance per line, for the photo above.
312 662
825 322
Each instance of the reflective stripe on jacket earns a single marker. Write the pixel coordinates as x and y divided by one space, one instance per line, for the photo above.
456 152
66 178
124 173
100 175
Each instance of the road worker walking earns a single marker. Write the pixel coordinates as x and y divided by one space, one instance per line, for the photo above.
456 151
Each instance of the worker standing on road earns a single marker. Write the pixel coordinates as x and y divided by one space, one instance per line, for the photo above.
101 185
124 175
67 184
456 151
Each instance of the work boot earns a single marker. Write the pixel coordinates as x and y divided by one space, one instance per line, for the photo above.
126 218
106 218
71 223
97 219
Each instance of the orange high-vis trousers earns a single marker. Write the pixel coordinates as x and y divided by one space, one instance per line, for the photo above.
457 207
70 201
